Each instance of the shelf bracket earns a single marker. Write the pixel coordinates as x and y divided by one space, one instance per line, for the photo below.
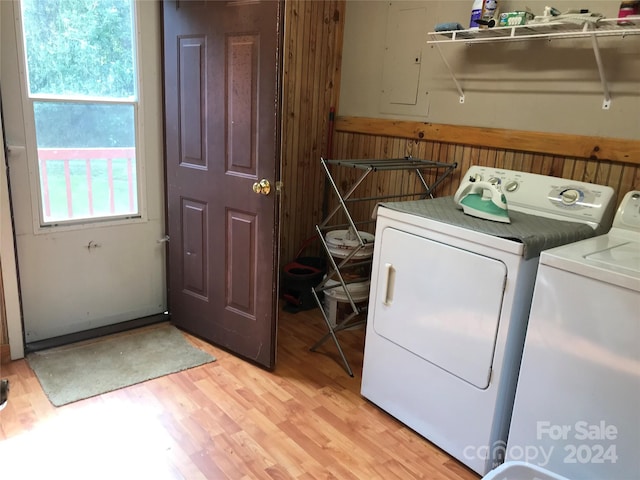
606 104
453 76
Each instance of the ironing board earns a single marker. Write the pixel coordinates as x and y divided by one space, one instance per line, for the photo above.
534 232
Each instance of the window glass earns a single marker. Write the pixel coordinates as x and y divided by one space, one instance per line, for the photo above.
80 57
79 47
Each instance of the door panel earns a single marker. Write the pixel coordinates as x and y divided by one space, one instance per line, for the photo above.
193 123
222 136
440 302
194 229
241 257
242 80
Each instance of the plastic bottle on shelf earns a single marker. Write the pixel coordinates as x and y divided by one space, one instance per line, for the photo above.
489 10
628 9
484 10
476 13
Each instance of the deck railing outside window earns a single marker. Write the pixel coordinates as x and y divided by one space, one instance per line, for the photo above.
87 182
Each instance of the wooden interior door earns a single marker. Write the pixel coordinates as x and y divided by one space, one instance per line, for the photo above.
222 82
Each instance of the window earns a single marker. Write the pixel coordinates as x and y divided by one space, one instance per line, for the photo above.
82 91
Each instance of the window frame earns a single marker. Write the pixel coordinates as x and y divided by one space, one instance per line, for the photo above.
40 226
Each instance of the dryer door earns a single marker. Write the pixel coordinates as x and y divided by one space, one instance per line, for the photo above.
439 302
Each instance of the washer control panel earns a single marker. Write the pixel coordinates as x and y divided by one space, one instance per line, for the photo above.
628 214
551 197
573 196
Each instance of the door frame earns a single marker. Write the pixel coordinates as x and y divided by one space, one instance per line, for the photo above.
8 266
8 260
149 43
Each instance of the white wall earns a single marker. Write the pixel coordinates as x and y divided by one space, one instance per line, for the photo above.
531 85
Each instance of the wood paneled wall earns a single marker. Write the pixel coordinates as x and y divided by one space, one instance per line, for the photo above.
375 138
312 60
466 146
613 162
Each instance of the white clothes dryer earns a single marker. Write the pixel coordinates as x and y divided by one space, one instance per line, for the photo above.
577 405
449 302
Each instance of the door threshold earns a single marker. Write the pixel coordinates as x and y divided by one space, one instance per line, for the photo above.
95 333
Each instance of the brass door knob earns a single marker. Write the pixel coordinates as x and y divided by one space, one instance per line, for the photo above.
263 187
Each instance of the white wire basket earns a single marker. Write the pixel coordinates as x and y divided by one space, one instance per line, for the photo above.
514 470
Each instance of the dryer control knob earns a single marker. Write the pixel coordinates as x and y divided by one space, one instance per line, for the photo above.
570 196
511 186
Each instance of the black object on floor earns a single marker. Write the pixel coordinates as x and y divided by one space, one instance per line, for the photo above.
4 393
298 279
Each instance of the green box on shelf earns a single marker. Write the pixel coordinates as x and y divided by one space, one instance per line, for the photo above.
514 19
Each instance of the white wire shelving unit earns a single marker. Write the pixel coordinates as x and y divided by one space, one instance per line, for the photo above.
604 27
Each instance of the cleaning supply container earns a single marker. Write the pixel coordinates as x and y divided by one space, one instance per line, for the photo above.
356 272
482 10
343 244
336 302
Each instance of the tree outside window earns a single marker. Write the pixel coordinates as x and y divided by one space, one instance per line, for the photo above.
81 69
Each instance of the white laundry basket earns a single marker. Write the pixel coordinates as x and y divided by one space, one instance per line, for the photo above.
514 470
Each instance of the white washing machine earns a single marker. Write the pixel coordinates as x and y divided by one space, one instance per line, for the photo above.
577 406
449 302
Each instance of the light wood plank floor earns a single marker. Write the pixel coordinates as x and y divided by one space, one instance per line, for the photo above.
228 419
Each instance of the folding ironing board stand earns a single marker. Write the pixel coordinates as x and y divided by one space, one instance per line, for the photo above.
338 269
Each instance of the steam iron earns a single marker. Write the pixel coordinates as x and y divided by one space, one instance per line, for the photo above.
483 200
